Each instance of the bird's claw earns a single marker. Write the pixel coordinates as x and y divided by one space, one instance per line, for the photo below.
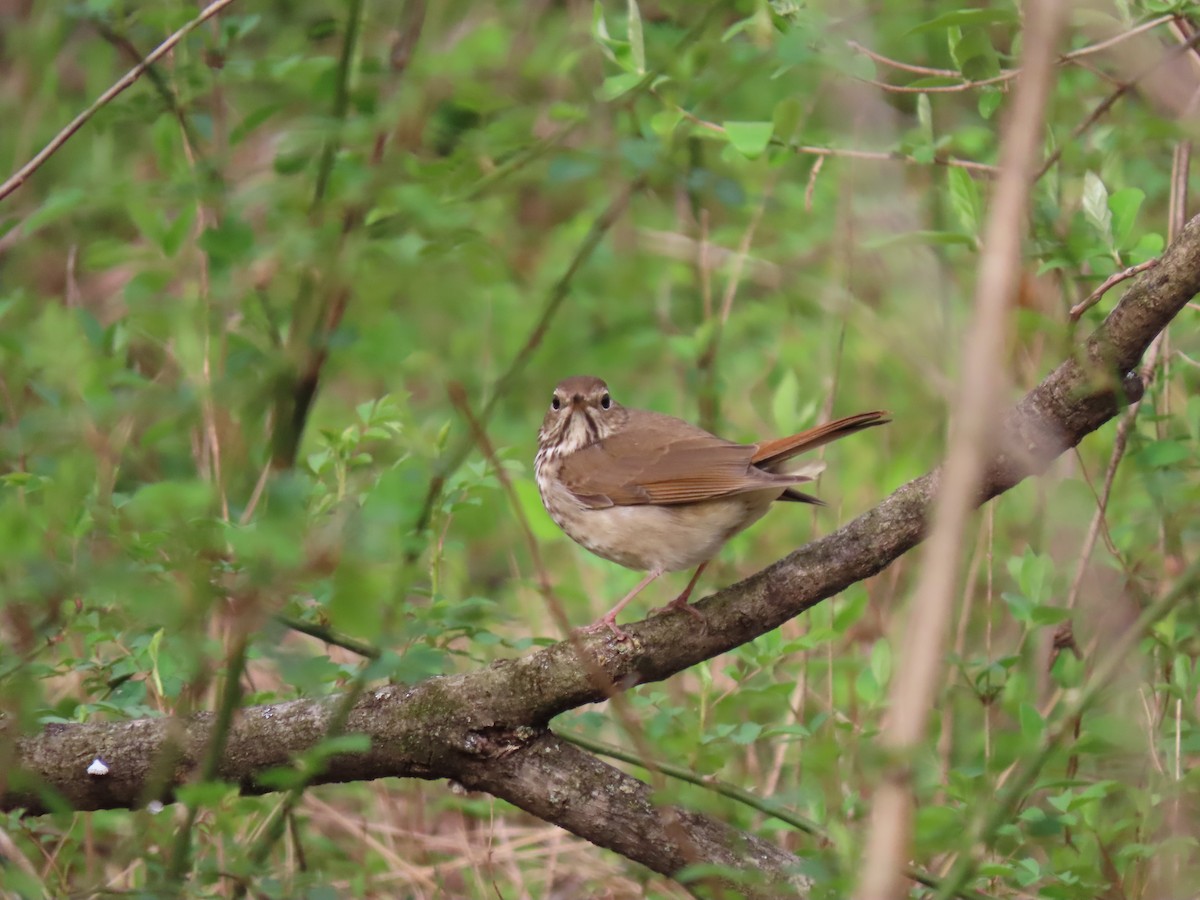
679 604
606 622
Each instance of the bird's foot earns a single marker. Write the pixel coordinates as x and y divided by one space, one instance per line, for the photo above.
679 604
608 621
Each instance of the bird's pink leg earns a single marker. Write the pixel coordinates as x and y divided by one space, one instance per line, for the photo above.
681 602
609 619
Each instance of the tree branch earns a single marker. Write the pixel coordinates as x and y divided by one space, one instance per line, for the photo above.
487 728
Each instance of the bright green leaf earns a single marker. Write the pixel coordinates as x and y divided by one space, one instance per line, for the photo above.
749 138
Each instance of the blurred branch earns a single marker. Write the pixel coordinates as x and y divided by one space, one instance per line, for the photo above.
486 728
329 636
341 102
22 175
914 689
315 319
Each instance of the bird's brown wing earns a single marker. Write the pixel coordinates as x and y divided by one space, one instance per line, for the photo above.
663 460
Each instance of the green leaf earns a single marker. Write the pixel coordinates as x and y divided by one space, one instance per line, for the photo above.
746 733
540 523
973 53
960 17
1020 607
1163 454
1049 615
419 661
231 242
881 662
58 205
965 199
1124 205
1032 724
868 688
849 611
749 138
990 99
1148 246
1095 205
615 86
600 31
636 44
172 236
925 117
788 113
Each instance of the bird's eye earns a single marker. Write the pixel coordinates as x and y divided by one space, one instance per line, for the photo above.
605 401
555 403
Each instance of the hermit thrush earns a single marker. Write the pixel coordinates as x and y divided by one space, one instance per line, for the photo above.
657 494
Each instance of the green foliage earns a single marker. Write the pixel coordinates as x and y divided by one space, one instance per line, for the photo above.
396 213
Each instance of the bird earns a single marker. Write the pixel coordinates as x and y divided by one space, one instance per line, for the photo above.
657 494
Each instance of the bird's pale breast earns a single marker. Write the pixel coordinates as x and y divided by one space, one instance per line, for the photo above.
646 537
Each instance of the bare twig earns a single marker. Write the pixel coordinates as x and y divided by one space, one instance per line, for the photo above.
1110 282
19 177
458 396
914 688
873 155
1003 76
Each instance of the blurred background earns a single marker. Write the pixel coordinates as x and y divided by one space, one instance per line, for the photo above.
233 305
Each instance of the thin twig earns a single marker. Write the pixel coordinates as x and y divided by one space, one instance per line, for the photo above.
874 155
902 66
1110 282
1124 428
341 102
22 174
1003 76
458 397
328 636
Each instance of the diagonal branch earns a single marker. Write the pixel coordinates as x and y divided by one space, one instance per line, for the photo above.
487 728
23 174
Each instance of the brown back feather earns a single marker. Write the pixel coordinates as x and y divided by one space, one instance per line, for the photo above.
662 460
